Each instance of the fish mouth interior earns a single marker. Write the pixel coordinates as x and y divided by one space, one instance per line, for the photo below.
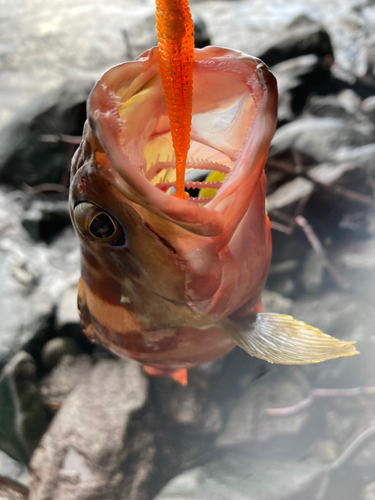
223 113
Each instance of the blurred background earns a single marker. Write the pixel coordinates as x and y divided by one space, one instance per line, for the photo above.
76 423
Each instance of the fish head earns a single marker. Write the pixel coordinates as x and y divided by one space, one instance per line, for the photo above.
168 261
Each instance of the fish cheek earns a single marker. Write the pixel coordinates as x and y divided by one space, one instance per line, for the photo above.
204 273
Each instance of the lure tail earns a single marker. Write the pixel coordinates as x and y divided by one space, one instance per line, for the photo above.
175 32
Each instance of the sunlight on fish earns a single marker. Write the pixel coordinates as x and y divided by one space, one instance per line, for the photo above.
173 282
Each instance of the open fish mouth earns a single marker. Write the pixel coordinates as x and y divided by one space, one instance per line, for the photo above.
233 120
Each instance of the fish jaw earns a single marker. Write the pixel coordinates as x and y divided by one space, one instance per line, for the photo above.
127 113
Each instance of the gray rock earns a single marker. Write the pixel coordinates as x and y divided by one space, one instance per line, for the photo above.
69 372
357 262
368 492
312 272
10 490
361 157
191 406
275 302
23 419
289 193
54 350
67 317
33 277
98 445
281 386
343 106
302 36
368 108
28 153
346 318
320 138
242 477
45 219
296 78
12 469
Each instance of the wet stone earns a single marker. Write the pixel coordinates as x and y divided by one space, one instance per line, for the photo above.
10 490
68 373
296 78
368 108
30 149
45 219
302 36
55 349
240 477
321 138
274 302
99 444
312 272
67 316
12 469
23 418
248 420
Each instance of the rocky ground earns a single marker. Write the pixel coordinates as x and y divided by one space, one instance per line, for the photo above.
76 423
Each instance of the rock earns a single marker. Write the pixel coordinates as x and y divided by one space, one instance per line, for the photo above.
289 193
320 138
312 272
99 444
357 262
30 150
368 108
280 387
241 477
14 470
361 157
68 373
345 105
276 303
23 419
67 317
33 277
296 78
369 492
45 219
371 56
201 35
340 315
326 451
10 490
302 36
188 406
55 349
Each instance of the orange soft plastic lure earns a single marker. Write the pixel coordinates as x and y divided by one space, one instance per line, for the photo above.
175 32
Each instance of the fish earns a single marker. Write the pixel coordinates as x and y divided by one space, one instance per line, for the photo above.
174 280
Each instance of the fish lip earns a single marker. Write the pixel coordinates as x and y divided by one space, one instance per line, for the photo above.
221 215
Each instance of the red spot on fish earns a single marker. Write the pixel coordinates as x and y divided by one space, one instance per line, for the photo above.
82 186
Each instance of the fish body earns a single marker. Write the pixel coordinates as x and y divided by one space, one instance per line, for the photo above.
171 282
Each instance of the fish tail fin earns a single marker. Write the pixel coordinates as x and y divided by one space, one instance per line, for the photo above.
277 338
179 376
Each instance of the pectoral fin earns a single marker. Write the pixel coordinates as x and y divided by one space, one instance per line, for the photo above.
282 339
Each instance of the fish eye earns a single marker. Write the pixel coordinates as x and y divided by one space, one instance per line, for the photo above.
96 224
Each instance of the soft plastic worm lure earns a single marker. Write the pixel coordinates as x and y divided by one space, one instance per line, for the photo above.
175 32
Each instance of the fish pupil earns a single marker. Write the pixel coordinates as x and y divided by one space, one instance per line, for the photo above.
102 226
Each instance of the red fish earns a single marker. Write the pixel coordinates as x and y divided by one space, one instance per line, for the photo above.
170 282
